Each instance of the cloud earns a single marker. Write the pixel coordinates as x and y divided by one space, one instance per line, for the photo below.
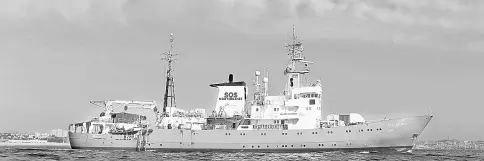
398 21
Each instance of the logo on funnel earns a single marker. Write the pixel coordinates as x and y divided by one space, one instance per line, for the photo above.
230 96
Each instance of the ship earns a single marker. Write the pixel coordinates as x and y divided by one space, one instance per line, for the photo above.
291 121
118 130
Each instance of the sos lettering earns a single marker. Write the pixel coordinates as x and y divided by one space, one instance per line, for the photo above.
230 96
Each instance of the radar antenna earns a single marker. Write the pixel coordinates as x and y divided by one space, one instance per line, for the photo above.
295 47
297 66
169 98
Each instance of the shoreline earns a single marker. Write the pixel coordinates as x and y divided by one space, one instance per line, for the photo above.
47 144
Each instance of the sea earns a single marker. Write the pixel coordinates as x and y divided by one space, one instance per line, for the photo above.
31 154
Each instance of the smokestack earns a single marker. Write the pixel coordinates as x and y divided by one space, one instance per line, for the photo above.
231 78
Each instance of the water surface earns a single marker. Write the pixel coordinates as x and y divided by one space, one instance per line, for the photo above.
29 154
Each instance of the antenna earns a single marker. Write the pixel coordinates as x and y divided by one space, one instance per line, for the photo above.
169 97
294 49
169 56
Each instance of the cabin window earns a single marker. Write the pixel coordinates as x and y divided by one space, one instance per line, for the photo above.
244 127
256 109
312 101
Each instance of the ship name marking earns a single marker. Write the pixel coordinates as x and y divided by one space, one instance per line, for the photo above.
398 124
230 96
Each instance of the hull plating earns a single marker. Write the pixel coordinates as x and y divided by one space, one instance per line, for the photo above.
97 141
398 134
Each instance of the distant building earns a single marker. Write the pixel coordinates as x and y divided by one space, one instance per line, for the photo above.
39 135
59 133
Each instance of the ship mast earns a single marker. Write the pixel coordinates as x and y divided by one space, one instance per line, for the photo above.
295 69
169 97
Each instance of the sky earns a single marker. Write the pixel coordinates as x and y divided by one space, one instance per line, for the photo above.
392 58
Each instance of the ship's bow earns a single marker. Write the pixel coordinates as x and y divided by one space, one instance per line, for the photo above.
404 132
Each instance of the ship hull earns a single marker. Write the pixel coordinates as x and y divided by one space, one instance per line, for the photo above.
395 135
101 141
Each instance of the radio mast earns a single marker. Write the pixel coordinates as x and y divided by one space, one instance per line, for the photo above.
169 98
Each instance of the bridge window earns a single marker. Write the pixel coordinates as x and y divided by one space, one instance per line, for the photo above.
312 101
